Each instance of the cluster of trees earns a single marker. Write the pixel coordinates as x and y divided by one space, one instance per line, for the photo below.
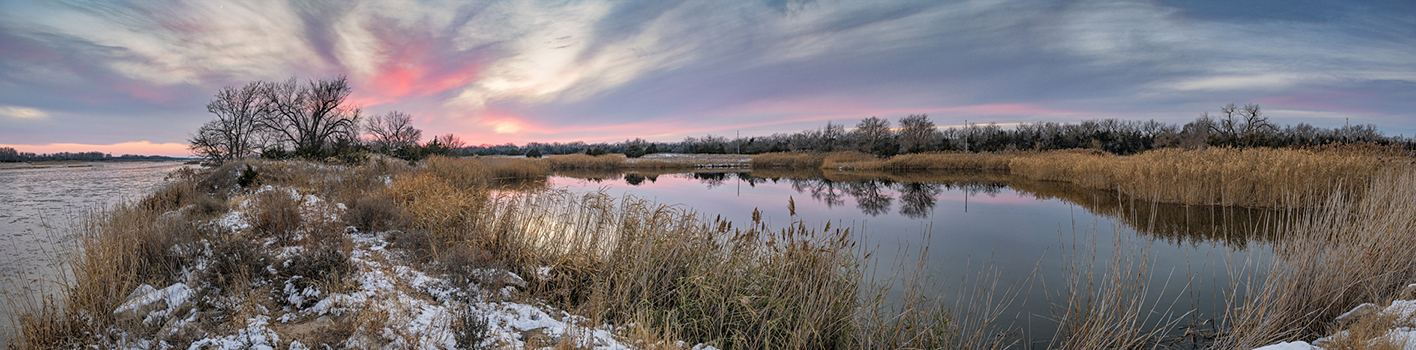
1236 126
8 155
306 120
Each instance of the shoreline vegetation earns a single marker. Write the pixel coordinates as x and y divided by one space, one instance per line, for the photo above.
351 232
311 253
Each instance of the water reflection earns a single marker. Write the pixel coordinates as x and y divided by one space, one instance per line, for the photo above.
915 196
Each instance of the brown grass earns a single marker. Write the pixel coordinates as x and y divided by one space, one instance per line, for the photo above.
1353 251
1254 177
581 161
787 160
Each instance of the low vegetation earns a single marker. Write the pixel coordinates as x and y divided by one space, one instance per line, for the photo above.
1251 177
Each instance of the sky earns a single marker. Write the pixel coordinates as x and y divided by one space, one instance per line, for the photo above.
135 76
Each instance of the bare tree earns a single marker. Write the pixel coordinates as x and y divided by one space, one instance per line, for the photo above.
1256 125
871 133
393 131
236 133
450 141
1228 127
310 116
916 133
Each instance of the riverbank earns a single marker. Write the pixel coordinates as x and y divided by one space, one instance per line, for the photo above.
442 246
294 255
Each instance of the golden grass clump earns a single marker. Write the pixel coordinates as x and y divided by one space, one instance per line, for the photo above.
432 202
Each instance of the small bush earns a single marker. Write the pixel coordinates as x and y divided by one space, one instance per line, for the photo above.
458 261
248 177
225 178
416 245
595 151
634 151
205 207
533 153
328 265
375 213
276 214
471 330
234 260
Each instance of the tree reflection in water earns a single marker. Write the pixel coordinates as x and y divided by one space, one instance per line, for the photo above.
875 193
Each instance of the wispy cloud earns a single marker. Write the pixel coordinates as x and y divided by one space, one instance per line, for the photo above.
22 112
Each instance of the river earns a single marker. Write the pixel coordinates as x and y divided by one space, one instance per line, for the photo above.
37 203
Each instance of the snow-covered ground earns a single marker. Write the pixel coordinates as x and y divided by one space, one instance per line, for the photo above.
391 304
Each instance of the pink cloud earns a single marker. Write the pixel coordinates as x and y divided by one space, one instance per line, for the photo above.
412 65
132 147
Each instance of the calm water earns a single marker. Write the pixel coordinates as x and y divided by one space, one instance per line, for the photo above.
1020 231
38 202
1026 233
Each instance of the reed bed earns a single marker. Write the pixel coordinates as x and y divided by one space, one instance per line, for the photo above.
581 161
787 160
1253 177
1352 252
998 161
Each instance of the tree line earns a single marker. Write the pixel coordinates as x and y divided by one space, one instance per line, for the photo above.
314 120
10 155
1233 126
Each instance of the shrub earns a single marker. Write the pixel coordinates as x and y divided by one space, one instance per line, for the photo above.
595 151
276 214
634 151
533 153
248 177
416 244
234 260
205 207
471 329
458 260
327 264
375 213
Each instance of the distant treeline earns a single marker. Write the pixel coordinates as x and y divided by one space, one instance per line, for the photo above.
314 120
1235 126
9 155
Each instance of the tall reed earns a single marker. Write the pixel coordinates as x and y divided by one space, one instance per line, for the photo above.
1351 252
1257 177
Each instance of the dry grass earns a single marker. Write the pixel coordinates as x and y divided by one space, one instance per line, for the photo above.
1353 251
511 168
1372 332
942 161
581 161
793 160
1254 177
